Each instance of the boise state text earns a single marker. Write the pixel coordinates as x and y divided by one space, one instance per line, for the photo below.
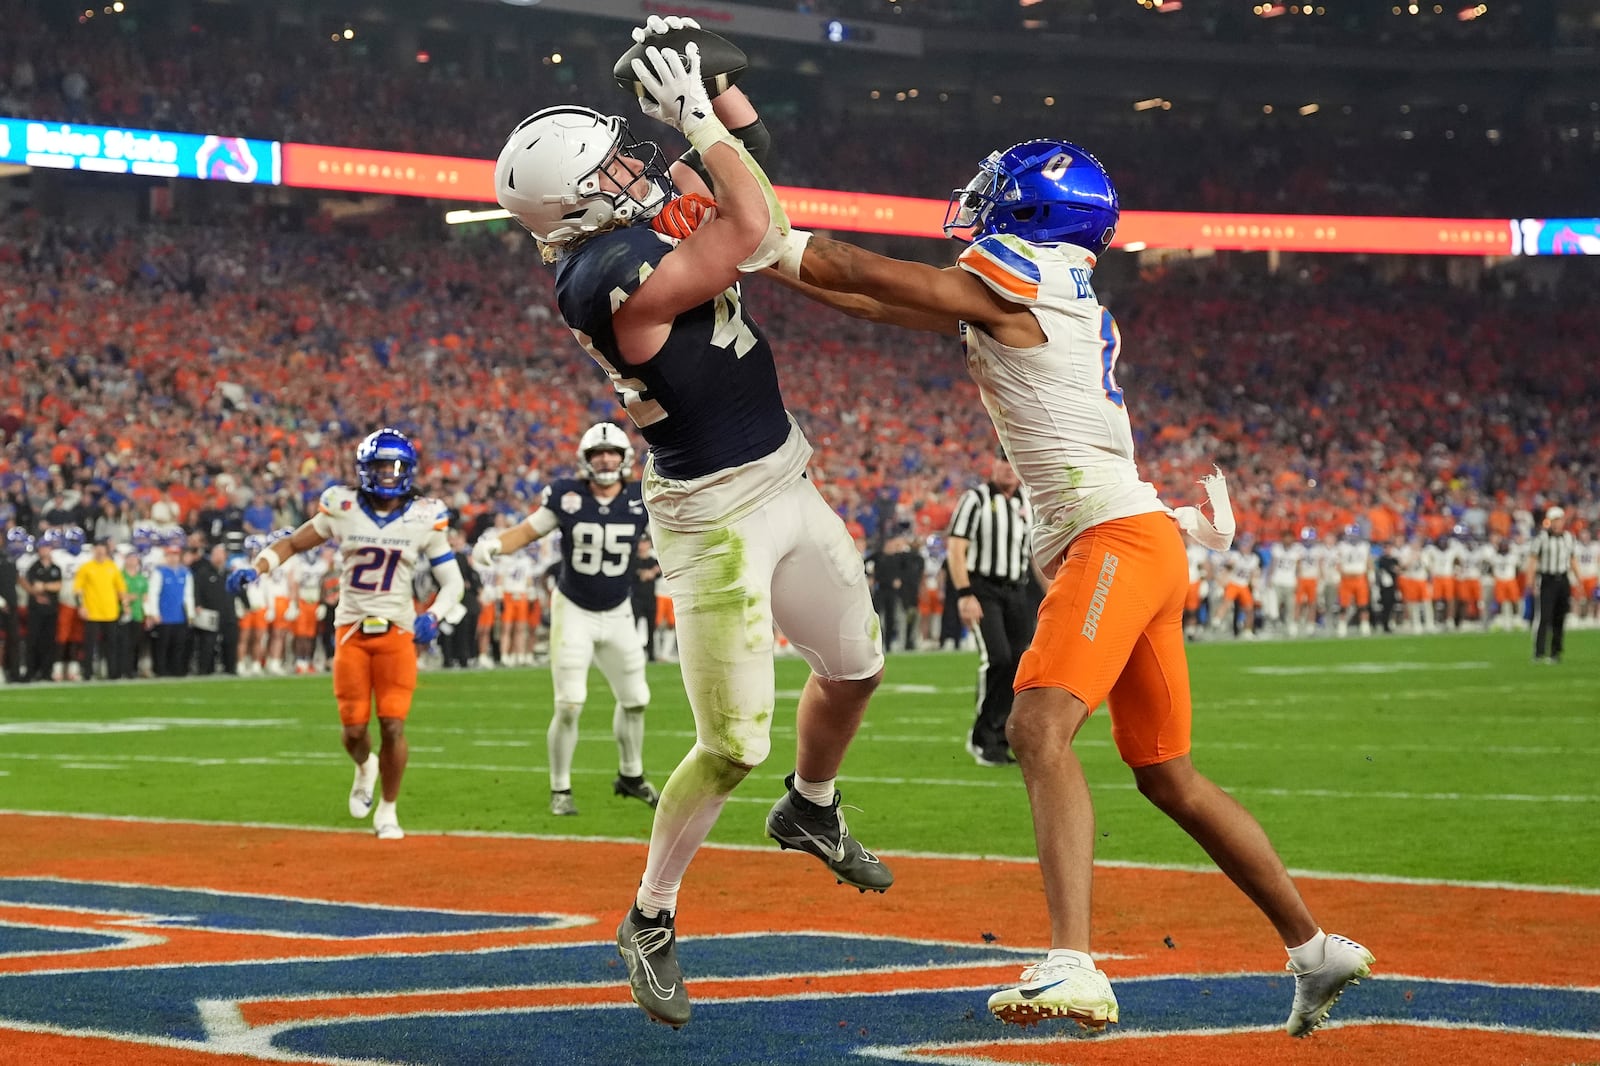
709 399
597 541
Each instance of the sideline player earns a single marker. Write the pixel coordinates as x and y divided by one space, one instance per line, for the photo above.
601 517
1043 352
383 528
744 537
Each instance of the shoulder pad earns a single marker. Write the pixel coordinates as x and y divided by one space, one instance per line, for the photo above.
1006 263
336 498
434 509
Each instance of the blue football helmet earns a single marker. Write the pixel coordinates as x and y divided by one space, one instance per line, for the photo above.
386 463
73 538
1046 192
254 545
52 539
19 542
144 537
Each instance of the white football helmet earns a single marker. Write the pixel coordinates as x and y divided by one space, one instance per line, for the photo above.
548 174
604 436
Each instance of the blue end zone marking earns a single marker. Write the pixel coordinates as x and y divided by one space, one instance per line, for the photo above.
162 998
229 912
161 1002
31 940
833 1030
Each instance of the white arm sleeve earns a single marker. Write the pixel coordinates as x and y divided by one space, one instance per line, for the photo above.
447 604
542 522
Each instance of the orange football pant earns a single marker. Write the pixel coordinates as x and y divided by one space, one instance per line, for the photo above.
1111 629
382 666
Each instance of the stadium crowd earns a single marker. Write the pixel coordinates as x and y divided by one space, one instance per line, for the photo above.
288 83
217 379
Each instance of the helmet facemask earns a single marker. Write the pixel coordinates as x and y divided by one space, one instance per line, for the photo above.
969 207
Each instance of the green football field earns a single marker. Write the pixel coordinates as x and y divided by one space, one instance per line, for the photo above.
1448 757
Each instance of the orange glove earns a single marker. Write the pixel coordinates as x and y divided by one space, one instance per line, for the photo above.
683 216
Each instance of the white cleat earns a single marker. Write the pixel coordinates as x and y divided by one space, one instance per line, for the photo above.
1344 963
388 831
1057 988
362 790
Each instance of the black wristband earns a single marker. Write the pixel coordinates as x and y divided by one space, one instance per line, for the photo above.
962 594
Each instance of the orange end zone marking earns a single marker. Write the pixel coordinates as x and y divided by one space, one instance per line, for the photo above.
1388 1045
1517 937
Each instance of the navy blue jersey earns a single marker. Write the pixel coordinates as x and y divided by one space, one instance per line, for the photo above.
597 541
709 399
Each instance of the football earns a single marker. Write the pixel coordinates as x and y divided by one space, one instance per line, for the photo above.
721 61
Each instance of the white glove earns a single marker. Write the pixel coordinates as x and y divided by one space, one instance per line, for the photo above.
485 551
681 100
655 24
1217 532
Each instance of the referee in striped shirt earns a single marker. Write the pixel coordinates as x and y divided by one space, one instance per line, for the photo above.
1552 564
991 568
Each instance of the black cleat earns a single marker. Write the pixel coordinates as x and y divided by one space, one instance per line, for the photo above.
650 948
638 788
796 822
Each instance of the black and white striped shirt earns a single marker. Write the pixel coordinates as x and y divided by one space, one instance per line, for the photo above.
997 528
1552 552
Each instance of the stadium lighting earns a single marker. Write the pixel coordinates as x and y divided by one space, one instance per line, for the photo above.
119 7
1467 14
349 34
458 218
1271 11
1310 109
1148 105
1134 246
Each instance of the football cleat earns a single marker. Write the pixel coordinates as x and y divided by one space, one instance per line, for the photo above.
650 948
638 788
361 791
1057 988
389 830
1344 963
795 822
561 803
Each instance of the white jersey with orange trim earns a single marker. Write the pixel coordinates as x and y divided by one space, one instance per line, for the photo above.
1286 561
1505 565
308 578
69 564
280 586
1243 567
515 571
1473 560
1414 562
1315 561
1199 562
1355 558
378 554
1586 557
1057 408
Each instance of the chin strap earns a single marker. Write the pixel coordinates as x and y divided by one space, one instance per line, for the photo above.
1217 532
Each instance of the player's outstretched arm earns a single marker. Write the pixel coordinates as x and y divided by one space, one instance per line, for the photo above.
949 292
868 309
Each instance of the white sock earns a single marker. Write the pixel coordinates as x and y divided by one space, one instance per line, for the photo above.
627 725
1308 956
691 800
818 792
561 740
1077 958
386 813
369 769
